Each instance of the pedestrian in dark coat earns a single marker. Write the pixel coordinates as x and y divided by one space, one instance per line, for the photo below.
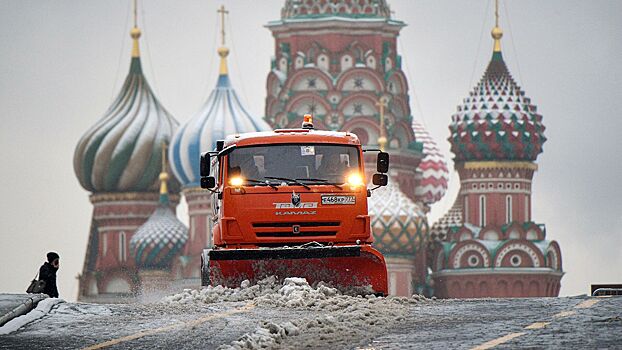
47 273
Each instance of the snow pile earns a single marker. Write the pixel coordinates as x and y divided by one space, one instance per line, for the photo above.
297 293
268 335
294 292
42 309
333 317
220 294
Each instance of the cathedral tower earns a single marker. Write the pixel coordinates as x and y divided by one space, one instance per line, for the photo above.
338 60
118 160
487 245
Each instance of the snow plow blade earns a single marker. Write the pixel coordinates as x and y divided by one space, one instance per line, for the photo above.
355 268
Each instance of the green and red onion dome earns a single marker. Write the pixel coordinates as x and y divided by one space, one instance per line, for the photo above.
496 121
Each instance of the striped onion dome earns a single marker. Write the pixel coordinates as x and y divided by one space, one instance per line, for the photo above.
398 224
222 114
432 173
496 121
120 153
155 244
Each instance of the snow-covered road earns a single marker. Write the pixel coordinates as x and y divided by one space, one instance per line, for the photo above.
293 315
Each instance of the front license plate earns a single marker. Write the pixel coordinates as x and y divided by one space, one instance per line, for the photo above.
328 200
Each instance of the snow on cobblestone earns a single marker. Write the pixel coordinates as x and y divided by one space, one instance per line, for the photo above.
335 314
42 309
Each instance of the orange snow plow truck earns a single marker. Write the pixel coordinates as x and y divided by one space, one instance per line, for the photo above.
292 203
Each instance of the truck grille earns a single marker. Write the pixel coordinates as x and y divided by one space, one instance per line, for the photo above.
286 229
301 224
291 234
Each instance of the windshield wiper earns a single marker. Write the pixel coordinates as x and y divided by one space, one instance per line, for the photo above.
323 181
263 183
286 179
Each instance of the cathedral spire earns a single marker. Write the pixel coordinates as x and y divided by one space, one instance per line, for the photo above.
223 51
497 33
135 32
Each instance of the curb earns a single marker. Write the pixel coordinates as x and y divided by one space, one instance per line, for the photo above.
23 309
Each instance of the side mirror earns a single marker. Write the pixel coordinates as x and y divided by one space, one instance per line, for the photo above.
380 179
208 182
382 162
205 164
220 144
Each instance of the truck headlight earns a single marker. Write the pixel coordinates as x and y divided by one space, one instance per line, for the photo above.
355 180
236 181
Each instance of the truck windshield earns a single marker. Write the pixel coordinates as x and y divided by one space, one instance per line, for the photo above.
304 163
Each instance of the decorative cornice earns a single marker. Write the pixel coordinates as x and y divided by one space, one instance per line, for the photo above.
499 271
129 196
497 165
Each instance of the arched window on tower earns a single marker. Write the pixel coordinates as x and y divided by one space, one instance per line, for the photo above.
104 243
482 211
122 247
193 225
388 64
527 218
346 62
299 62
371 62
283 65
508 208
322 62
466 209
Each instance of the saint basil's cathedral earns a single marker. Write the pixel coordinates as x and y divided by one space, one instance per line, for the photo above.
338 60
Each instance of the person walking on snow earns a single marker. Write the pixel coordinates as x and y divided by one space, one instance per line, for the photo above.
47 273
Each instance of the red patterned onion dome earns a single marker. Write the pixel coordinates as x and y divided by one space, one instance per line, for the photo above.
432 172
496 121
398 224
121 152
295 9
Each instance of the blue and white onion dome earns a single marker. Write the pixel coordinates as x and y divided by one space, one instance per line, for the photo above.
222 114
156 243
398 224
121 152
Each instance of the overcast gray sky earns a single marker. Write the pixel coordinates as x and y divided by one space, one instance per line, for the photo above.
62 62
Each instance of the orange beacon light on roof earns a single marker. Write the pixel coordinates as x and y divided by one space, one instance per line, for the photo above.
307 122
